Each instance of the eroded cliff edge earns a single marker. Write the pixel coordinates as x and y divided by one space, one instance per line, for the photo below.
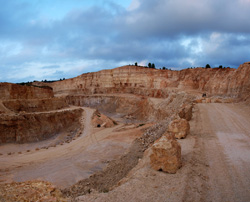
138 80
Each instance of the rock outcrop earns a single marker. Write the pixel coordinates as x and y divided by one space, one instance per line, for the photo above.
159 83
133 107
180 128
32 127
35 105
166 154
15 91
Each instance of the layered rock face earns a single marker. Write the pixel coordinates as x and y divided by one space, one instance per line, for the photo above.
132 107
14 91
30 114
32 127
35 105
158 83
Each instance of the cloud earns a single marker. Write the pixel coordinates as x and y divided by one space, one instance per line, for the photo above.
100 35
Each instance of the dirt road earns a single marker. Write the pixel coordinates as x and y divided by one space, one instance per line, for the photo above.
65 164
224 133
216 163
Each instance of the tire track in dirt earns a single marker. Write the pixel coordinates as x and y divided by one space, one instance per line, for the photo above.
222 139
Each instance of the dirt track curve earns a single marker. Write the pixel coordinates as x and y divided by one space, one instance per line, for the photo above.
65 164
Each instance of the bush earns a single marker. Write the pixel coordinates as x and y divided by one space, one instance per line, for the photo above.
208 66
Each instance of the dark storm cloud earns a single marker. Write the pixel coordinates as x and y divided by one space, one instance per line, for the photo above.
163 18
169 33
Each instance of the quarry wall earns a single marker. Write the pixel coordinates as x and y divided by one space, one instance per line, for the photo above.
32 127
157 83
35 105
15 91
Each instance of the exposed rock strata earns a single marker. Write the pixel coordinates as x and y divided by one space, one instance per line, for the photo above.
166 154
31 127
14 91
158 83
35 105
134 108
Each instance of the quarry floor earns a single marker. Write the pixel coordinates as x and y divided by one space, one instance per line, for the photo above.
216 163
216 160
64 165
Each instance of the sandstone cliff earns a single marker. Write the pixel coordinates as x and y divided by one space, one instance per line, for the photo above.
15 91
35 105
32 127
158 83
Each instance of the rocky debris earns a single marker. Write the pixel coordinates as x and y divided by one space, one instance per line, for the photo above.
101 120
186 112
180 128
166 154
116 170
30 191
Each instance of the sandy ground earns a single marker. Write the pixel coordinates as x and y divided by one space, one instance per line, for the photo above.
216 163
66 164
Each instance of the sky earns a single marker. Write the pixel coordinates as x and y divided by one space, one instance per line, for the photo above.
44 39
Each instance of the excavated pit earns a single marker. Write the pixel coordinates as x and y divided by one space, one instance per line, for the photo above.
129 108
108 119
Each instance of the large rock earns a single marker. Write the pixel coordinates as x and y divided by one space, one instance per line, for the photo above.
186 112
166 154
180 128
100 120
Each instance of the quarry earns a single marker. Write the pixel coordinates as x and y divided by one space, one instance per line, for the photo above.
128 134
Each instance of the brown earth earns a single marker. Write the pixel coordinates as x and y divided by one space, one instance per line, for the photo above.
234 83
133 107
215 163
33 127
14 91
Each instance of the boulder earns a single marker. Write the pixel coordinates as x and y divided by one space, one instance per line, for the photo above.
100 120
166 154
180 128
186 112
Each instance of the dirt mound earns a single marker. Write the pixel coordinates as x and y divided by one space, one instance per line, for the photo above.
100 120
